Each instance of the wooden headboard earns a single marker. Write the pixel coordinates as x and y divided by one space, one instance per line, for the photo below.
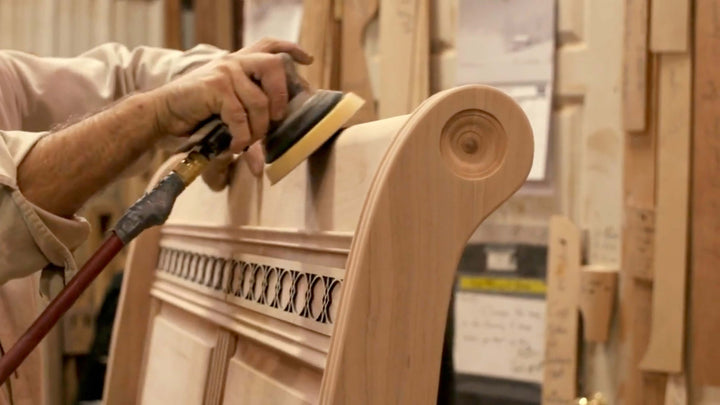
329 287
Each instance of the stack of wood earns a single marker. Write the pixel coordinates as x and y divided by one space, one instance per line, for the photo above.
658 120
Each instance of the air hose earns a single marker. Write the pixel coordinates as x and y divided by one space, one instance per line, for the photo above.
150 210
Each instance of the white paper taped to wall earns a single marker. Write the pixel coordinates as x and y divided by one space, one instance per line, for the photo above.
499 336
279 19
510 45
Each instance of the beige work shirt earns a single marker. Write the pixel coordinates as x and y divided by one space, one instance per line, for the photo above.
37 94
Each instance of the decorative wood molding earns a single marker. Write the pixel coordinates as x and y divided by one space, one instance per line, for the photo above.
302 294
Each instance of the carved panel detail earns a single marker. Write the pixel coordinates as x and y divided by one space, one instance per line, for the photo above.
263 284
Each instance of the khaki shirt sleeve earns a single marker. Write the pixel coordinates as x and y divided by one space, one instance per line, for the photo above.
45 92
30 237
39 93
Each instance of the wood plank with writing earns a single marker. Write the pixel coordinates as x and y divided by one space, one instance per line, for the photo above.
404 56
636 292
639 241
598 285
561 336
665 350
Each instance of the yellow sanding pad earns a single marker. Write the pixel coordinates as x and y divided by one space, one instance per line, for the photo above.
315 138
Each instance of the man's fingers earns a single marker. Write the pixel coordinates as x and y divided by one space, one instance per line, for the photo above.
255 158
274 83
272 45
256 104
233 114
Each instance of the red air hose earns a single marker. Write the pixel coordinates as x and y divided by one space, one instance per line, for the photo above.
42 325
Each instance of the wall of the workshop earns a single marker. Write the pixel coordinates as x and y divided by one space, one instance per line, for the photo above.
586 140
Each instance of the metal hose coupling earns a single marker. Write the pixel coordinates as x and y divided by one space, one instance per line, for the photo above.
154 207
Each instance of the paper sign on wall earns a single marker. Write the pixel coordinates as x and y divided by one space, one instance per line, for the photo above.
499 336
510 45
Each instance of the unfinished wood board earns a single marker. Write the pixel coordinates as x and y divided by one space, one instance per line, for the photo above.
636 289
635 67
598 287
214 23
354 74
669 26
318 36
704 260
666 347
6 24
269 378
562 319
173 24
404 56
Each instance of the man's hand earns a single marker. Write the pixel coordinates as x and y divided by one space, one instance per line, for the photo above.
246 89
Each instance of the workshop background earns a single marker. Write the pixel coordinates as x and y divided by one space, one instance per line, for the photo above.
622 97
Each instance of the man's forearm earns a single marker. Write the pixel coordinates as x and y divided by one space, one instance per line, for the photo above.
64 169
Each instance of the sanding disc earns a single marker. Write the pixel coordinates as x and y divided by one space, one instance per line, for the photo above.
299 123
315 137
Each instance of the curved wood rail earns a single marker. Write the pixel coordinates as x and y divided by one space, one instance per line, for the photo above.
460 155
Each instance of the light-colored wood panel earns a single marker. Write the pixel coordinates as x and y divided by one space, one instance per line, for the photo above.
332 202
669 25
635 67
258 389
267 377
304 345
666 348
562 319
176 355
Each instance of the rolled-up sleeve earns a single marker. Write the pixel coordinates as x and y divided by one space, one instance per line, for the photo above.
30 237
36 95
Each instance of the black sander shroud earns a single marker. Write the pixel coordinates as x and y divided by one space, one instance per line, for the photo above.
311 118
